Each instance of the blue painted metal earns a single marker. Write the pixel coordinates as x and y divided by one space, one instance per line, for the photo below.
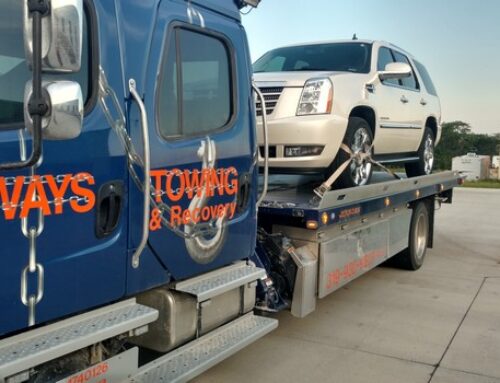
81 271
235 146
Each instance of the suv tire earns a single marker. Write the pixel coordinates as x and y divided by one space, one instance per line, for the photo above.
358 137
426 157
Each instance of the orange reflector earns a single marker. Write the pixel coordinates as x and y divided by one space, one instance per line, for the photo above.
312 225
324 218
461 181
387 201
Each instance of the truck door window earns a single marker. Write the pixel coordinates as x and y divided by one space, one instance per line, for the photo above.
14 72
195 92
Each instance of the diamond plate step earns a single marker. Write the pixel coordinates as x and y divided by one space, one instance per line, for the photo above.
220 281
22 352
200 355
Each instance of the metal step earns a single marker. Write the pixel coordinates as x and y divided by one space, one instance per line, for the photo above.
198 356
22 352
220 281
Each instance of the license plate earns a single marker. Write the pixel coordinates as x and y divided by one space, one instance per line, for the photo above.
113 370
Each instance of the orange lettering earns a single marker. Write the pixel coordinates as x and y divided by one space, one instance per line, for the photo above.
58 192
186 217
157 174
10 204
231 189
83 192
175 197
192 183
175 216
35 198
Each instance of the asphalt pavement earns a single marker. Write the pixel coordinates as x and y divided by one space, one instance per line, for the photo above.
440 324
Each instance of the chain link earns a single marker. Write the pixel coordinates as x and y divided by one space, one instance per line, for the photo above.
56 202
31 233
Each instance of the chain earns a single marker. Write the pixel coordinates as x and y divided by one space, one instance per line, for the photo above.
135 161
55 202
31 233
11 181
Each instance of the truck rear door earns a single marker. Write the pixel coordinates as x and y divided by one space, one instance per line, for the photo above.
198 96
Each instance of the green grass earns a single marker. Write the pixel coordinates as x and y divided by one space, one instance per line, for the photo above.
488 184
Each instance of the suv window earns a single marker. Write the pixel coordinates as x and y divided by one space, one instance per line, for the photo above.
14 71
385 57
426 78
341 57
408 82
195 93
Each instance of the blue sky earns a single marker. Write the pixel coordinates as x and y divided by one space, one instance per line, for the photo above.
458 41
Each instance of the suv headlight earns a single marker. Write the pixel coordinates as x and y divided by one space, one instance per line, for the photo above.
317 97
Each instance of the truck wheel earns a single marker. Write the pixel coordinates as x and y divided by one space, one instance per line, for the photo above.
425 163
413 257
358 138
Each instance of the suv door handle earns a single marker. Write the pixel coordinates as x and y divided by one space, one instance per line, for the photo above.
404 100
423 102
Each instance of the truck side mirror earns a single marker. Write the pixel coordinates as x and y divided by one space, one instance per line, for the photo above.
395 71
62 35
65 103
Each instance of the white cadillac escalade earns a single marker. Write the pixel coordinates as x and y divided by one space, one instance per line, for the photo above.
370 95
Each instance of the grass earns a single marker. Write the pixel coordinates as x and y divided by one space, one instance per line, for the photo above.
487 184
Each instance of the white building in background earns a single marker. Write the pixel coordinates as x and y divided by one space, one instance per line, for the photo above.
496 162
473 166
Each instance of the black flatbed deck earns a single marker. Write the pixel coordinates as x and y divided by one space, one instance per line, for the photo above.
292 197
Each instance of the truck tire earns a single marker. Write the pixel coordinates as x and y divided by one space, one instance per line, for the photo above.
358 137
425 163
413 257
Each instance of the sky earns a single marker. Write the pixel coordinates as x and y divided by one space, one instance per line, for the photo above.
457 40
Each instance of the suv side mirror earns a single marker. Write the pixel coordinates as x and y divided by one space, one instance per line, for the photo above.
65 116
62 34
395 71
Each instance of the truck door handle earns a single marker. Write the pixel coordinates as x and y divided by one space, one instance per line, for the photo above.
404 100
423 102
109 206
243 192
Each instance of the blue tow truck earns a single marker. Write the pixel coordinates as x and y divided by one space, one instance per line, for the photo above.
138 241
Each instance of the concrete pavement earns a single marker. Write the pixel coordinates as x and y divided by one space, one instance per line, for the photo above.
438 325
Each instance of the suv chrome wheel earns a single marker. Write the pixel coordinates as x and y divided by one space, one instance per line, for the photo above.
429 155
360 168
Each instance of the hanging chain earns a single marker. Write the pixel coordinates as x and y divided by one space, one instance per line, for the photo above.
135 162
31 233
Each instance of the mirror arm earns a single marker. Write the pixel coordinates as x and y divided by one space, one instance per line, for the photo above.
37 106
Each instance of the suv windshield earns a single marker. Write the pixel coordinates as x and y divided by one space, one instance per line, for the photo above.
335 57
14 72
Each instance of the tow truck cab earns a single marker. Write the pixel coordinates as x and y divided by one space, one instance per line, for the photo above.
72 225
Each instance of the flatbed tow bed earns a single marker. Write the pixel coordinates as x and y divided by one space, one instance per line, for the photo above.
334 239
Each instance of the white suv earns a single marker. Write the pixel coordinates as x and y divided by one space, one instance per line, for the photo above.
370 95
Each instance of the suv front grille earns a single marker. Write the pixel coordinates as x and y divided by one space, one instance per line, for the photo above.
271 95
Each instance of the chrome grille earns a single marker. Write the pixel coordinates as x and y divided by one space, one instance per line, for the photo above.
271 95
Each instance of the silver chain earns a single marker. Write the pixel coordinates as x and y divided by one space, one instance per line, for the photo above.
31 233
135 161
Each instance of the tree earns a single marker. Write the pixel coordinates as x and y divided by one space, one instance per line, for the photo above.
457 139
